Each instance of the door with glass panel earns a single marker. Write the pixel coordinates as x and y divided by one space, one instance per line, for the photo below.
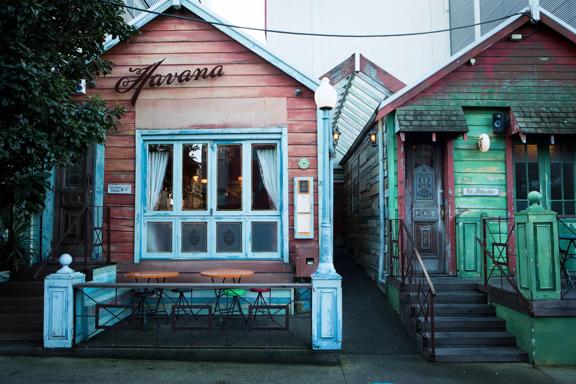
218 199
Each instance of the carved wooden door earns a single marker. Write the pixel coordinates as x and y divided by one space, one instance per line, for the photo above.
425 203
73 193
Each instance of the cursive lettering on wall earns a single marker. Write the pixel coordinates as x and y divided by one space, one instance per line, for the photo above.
148 76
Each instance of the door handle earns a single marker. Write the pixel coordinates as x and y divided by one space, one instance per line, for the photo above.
441 213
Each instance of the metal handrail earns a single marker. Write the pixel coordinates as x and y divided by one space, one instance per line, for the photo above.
495 263
425 293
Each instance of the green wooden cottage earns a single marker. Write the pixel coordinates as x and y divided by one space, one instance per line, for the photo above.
474 260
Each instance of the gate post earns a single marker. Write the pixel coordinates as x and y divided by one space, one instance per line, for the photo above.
59 305
538 255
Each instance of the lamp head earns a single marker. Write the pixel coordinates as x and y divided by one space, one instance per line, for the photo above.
325 96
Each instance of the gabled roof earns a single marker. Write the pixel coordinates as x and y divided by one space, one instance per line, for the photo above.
242 38
471 51
361 86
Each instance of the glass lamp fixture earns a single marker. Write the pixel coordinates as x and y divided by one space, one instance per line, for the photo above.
325 96
373 137
336 135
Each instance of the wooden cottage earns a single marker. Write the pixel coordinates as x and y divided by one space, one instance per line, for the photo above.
201 170
458 154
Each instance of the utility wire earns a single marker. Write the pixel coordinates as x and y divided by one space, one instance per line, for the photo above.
308 33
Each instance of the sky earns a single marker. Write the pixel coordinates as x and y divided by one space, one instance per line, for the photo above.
248 13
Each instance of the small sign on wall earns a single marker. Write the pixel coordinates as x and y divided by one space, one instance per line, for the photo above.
120 189
480 191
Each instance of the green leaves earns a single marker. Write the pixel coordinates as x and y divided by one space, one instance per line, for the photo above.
46 47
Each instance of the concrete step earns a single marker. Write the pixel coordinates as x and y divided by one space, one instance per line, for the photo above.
473 339
443 309
468 323
481 354
458 297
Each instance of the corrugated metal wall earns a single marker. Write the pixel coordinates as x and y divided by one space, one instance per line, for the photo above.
462 13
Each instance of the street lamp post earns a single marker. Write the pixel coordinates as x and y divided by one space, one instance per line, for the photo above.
326 282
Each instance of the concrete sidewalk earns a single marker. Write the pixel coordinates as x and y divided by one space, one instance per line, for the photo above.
353 369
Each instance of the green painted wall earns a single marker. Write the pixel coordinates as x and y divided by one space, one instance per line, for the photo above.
548 340
473 168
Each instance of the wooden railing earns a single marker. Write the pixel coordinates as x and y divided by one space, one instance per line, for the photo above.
417 283
497 233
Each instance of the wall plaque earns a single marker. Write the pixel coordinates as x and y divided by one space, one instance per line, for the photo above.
480 191
120 189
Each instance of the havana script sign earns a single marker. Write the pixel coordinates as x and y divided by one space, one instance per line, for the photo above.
148 76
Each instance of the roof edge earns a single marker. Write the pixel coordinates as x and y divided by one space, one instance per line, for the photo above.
242 38
451 64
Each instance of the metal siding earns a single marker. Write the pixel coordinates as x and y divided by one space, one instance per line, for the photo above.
461 13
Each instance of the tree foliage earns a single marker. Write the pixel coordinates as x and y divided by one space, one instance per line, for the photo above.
46 47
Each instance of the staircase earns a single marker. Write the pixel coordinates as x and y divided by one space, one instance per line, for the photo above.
466 326
21 311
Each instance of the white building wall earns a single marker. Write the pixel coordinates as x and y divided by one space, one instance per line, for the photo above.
405 57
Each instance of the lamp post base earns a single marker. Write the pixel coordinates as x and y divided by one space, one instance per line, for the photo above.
326 311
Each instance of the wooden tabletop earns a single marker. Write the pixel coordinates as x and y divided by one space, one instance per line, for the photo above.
151 275
227 273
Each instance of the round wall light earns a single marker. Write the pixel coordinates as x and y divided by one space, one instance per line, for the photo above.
484 143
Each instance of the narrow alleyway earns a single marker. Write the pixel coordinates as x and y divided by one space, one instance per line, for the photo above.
370 324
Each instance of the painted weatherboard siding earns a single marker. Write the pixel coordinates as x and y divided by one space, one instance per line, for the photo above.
247 79
362 210
475 169
540 67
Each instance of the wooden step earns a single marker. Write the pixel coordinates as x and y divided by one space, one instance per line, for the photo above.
481 354
22 288
21 335
20 304
473 339
461 297
21 321
443 309
468 323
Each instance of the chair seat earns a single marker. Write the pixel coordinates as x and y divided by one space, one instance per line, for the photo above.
260 290
234 292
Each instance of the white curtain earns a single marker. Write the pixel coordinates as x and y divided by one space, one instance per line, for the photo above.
268 162
157 163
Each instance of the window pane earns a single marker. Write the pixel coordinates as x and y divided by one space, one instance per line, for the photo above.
159 237
532 152
265 177
159 178
230 177
519 152
195 177
521 205
568 181
264 237
194 237
556 181
554 153
533 177
557 207
569 208
521 182
229 237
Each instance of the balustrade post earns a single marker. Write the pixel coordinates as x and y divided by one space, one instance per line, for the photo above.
538 252
59 305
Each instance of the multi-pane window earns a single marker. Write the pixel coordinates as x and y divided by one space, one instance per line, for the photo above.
549 169
212 199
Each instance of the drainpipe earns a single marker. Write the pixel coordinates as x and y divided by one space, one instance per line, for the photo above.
382 273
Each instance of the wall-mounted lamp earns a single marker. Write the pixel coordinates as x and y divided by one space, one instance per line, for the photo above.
336 135
484 143
373 137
